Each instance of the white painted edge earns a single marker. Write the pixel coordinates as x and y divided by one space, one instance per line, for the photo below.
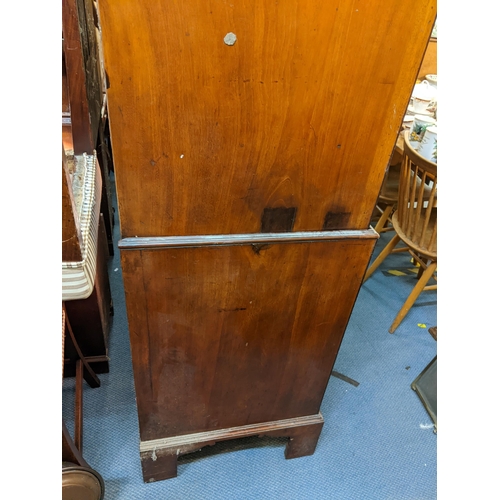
231 433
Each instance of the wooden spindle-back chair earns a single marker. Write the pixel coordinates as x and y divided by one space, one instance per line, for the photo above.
387 199
415 223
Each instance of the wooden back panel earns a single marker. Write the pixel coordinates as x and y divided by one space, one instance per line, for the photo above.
301 113
223 336
417 204
71 234
429 62
81 60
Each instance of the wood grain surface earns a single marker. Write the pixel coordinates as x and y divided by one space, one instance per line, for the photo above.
82 73
230 336
159 457
301 113
429 63
71 236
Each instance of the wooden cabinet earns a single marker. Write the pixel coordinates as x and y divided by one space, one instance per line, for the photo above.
238 334
301 112
246 174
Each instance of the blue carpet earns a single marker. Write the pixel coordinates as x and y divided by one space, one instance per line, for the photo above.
377 442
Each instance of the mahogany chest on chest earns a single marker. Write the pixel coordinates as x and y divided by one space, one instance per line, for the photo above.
250 141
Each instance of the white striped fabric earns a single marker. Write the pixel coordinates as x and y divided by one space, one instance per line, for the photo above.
78 277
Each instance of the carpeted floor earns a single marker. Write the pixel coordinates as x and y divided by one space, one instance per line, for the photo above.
377 443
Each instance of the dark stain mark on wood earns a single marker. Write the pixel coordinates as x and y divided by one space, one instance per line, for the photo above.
234 309
278 220
258 247
336 220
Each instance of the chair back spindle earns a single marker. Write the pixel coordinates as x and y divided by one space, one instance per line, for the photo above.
415 223
417 204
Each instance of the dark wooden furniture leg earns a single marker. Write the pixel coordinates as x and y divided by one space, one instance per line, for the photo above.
159 457
70 452
302 441
72 449
78 477
87 372
160 466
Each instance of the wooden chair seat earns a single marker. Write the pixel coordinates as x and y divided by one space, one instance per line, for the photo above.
430 252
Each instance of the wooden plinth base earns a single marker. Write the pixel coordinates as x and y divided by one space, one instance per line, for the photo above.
159 456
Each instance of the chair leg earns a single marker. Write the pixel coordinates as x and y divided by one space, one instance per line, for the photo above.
426 276
88 373
383 254
70 453
421 269
79 405
383 218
